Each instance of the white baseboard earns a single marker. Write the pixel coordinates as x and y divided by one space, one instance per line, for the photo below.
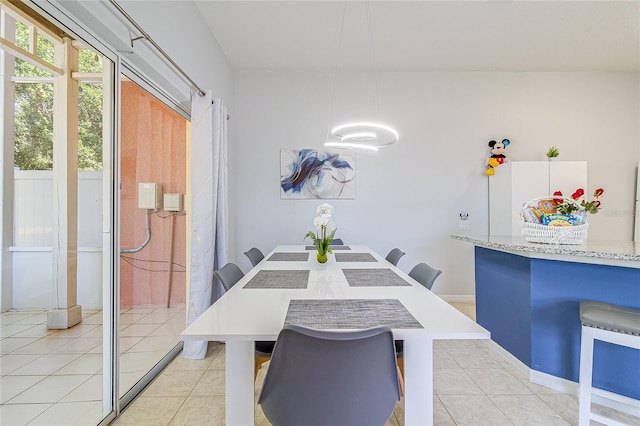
556 383
457 297
617 402
599 396
602 397
515 362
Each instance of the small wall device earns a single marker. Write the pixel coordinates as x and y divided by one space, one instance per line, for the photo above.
173 202
149 195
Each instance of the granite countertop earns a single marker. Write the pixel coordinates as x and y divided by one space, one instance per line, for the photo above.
613 250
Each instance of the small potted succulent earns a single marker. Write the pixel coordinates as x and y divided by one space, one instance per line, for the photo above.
552 152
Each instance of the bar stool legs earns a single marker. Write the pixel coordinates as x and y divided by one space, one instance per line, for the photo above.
586 376
609 323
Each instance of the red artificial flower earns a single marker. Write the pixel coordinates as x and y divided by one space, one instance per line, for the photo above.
598 192
579 193
596 203
558 200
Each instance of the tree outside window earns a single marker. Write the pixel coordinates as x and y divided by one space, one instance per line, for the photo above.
33 138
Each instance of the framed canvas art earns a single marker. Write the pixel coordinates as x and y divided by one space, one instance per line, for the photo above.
309 173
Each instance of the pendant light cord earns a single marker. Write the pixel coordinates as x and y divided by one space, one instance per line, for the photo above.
360 135
335 73
372 61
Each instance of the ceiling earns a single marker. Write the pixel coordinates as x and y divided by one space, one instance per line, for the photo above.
426 35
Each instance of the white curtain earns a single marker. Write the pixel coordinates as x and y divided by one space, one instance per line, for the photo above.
209 208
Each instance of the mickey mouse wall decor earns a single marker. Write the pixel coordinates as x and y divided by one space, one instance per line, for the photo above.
497 155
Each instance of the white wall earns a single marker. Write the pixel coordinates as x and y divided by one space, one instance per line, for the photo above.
409 195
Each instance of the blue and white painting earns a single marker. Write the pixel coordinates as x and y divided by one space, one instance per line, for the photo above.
309 173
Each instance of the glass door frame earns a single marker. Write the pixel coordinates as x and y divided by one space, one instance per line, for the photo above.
110 169
112 404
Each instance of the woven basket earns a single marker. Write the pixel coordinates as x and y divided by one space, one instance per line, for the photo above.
538 233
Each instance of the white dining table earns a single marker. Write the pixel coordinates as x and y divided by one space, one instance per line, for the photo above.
245 315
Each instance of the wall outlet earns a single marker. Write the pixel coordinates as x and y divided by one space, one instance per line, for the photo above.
464 222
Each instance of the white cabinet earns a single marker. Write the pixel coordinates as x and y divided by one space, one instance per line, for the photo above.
517 182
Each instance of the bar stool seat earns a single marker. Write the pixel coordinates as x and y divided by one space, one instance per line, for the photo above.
610 323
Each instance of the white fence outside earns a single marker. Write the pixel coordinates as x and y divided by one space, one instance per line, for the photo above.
34 204
33 286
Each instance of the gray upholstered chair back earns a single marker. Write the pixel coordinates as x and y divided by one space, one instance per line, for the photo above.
425 274
337 242
229 275
394 256
320 378
254 255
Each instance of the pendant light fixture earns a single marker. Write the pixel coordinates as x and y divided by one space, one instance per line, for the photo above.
363 135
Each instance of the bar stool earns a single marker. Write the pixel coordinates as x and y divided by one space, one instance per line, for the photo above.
610 323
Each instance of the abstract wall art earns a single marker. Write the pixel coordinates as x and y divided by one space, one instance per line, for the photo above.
309 173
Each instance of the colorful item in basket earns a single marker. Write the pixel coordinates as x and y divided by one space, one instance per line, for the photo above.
579 217
530 215
548 205
557 219
541 212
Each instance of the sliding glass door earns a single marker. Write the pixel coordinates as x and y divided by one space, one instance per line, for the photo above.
152 235
57 320
93 280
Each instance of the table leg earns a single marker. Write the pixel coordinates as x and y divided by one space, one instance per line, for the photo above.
418 382
239 382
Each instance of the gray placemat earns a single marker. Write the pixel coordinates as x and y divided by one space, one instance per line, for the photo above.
291 257
350 313
373 278
279 279
355 257
332 248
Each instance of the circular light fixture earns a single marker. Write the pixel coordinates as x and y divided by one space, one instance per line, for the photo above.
369 136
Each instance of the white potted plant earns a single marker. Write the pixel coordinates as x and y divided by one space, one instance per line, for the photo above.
326 232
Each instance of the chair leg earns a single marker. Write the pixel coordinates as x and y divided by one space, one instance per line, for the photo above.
401 374
258 361
401 382
586 376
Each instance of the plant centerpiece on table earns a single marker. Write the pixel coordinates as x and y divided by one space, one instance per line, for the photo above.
326 230
567 207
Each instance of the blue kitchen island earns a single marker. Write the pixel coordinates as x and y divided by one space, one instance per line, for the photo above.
528 295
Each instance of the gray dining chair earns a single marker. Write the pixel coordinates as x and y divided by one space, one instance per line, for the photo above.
338 378
425 275
336 242
229 275
394 256
255 255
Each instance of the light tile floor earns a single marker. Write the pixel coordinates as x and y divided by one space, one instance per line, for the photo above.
473 384
54 377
